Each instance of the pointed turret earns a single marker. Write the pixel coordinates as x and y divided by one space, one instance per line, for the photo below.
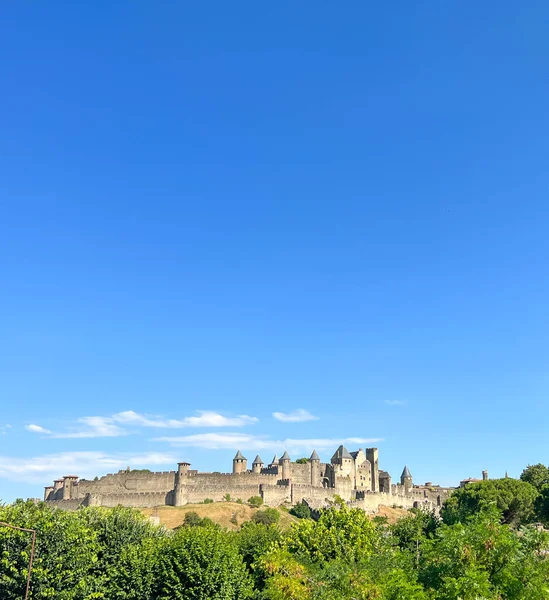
406 472
406 479
257 465
240 463
285 462
314 461
275 460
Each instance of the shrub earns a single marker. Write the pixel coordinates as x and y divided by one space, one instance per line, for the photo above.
227 498
192 519
301 511
207 501
255 501
268 516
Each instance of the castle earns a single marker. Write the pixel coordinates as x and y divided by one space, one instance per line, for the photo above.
353 476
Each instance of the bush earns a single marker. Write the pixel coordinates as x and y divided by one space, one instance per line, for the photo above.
255 501
227 498
268 516
207 501
192 519
301 511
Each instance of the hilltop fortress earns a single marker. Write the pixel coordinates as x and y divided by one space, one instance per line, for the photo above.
353 476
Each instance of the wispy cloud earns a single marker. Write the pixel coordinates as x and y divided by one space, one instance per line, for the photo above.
205 418
85 464
93 427
37 429
395 402
296 416
4 429
231 440
122 423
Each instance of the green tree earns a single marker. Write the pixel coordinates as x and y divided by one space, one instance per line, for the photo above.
254 540
513 498
416 527
116 528
485 559
339 533
536 475
66 553
302 461
202 563
255 501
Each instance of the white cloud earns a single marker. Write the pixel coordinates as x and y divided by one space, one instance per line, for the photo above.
4 429
94 427
229 440
296 416
205 418
85 464
36 429
395 402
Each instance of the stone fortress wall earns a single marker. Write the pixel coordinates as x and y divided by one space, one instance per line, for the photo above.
353 476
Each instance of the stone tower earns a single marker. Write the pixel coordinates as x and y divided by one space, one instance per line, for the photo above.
406 480
314 461
484 475
372 456
180 480
240 463
285 464
257 465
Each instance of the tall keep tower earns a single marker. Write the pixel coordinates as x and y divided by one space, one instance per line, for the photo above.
372 456
240 463
406 480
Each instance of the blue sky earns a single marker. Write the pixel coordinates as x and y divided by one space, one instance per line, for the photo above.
210 214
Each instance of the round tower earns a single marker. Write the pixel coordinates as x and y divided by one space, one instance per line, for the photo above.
257 465
314 461
240 463
406 480
484 475
180 481
285 461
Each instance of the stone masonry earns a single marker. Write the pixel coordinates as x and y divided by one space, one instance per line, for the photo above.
353 476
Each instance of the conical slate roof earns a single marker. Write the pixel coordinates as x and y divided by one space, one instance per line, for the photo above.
341 452
406 472
275 460
239 456
257 460
285 456
314 456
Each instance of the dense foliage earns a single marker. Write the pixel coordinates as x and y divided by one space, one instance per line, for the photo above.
483 546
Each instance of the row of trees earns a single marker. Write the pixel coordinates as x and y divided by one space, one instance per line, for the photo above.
480 548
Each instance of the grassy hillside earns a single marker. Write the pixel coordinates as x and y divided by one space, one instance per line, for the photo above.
223 513
226 513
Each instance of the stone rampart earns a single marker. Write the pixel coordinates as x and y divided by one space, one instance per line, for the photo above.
316 497
275 495
127 482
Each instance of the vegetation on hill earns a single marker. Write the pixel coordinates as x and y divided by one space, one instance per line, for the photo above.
483 546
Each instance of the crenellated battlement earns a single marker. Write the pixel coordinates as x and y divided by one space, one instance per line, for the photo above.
353 476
